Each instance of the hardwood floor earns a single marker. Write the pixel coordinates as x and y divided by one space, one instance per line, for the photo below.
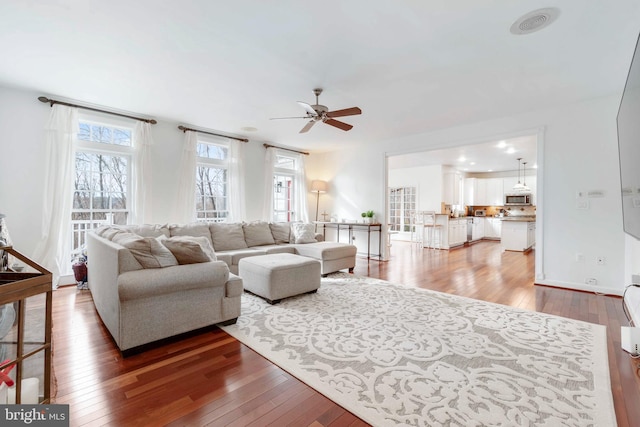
209 378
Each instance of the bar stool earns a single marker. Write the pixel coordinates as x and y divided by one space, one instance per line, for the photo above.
417 229
433 230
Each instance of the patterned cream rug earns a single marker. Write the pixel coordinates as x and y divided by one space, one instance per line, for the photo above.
398 355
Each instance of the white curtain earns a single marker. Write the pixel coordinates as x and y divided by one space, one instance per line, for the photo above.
185 209
269 165
141 203
300 190
237 210
54 249
299 187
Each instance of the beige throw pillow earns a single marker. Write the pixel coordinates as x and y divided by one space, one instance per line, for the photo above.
303 233
146 250
281 231
258 233
227 236
189 249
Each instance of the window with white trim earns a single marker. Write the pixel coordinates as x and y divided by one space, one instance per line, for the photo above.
102 179
283 188
212 179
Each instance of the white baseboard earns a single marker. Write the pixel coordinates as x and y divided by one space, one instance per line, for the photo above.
581 287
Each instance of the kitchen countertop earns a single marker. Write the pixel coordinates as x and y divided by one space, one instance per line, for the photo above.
520 218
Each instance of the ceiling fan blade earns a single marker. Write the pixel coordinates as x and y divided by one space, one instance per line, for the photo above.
338 124
308 108
308 126
280 118
346 112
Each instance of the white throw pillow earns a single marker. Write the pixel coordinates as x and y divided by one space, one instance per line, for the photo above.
146 250
303 233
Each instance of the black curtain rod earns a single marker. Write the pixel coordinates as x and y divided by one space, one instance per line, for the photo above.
288 149
184 129
53 101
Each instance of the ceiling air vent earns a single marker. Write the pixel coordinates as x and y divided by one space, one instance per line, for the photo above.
535 20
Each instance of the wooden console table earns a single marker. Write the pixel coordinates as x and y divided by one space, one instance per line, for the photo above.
353 226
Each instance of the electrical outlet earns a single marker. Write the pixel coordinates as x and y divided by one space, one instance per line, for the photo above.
591 281
601 260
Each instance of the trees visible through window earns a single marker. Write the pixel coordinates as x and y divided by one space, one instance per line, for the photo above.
102 187
212 181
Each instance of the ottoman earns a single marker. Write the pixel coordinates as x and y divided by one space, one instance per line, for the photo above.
278 276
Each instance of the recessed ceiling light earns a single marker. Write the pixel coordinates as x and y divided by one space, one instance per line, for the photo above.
511 150
535 21
249 129
502 144
490 170
472 163
462 159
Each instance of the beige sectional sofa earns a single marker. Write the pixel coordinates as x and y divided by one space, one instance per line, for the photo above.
151 282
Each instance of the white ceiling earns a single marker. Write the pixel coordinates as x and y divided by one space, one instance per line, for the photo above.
493 156
411 66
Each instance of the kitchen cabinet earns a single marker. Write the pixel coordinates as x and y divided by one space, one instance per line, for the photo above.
451 188
457 232
477 232
518 235
487 192
470 189
493 228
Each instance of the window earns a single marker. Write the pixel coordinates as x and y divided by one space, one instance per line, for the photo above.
283 188
102 180
212 180
402 205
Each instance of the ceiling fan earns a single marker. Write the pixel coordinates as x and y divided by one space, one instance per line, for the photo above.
320 113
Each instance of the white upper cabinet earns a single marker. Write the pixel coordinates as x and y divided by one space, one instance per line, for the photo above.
451 188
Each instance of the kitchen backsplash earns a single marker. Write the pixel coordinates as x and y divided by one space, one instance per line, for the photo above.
508 211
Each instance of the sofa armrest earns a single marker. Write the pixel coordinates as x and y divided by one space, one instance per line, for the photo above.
156 281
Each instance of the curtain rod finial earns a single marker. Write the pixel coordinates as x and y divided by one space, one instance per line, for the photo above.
45 99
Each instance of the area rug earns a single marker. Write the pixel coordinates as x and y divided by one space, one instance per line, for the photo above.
399 355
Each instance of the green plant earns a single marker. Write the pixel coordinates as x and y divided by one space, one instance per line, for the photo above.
369 214
363 214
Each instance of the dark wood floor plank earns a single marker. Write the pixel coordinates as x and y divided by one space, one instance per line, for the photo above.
209 377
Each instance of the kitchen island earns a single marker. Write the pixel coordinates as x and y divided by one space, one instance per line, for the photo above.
518 233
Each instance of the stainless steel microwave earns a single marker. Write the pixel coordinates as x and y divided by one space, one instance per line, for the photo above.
517 199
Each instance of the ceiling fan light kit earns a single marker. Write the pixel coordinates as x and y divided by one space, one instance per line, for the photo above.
320 113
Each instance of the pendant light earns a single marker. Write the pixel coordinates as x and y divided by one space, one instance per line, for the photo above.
524 178
518 186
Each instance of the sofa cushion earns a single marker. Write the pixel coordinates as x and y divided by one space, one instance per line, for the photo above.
150 230
281 231
109 231
257 233
193 229
277 249
303 232
326 251
188 249
227 237
148 251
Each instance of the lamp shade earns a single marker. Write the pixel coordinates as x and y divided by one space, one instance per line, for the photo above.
318 186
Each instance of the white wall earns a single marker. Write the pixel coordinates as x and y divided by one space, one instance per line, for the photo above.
579 153
22 120
427 180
